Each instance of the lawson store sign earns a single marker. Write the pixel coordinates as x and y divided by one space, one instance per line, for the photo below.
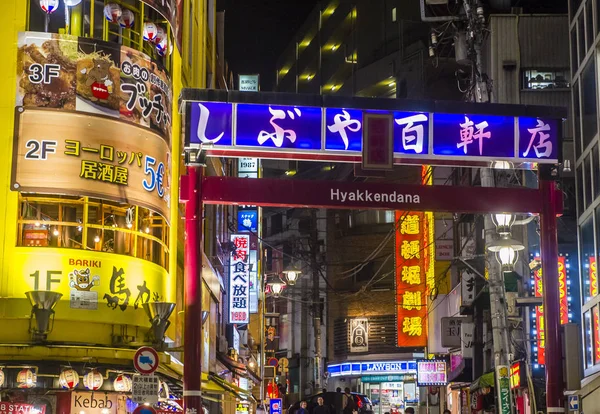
369 368
320 130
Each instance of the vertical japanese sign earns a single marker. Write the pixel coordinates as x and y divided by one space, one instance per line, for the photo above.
503 382
593 276
562 289
539 317
239 280
359 335
410 280
596 316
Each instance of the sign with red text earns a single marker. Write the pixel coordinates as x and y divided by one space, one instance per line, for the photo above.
431 372
239 279
539 317
18 408
562 290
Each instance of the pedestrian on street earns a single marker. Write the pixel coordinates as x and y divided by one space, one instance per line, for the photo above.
349 404
321 408
409 410
302 409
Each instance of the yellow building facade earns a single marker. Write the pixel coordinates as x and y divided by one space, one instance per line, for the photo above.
90 223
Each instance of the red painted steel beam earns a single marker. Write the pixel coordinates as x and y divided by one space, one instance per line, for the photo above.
361 195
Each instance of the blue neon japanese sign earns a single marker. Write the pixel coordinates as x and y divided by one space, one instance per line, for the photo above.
335 133
247 220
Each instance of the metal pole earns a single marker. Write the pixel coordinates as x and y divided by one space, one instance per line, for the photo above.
314 245
501 344
192 347
549 247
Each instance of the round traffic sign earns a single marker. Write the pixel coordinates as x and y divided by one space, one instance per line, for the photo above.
145 360
144 409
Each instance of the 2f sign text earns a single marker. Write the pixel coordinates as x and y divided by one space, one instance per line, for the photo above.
39 150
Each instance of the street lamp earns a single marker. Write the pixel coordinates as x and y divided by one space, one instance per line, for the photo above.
507 252
276 288
291 275
503 222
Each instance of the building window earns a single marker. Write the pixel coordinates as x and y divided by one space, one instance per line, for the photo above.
546 79
588 259
577 119
91 224
394 14
587 172
589 104
589 356
581 36
574 59
580 206
589 24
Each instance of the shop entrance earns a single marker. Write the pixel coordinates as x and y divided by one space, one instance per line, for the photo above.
379 133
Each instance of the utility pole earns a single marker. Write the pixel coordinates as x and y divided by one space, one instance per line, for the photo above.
316 298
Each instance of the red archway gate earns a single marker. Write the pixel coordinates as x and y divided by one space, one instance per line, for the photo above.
379 133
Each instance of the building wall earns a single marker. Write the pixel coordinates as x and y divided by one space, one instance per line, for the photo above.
92 331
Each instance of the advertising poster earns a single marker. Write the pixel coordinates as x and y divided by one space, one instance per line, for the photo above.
359 335
239 279
88 75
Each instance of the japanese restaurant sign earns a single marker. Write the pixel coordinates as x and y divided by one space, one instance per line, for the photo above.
62 152
411 299
269 131
431 372
239 279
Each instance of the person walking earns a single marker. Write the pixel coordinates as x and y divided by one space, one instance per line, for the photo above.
302 409
349 406
321 408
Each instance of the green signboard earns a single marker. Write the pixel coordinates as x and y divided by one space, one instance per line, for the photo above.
385 378
503 380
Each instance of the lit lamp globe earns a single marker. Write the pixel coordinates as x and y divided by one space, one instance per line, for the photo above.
93 380
26 378
2 378
276 288
506 251
68 378
503 222
291 275
122 383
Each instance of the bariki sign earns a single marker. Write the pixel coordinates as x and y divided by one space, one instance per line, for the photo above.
324 128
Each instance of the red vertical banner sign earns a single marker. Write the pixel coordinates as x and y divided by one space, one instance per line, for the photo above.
593 277
596 316
562 290
411 298
539 316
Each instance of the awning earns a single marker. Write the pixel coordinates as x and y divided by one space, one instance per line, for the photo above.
233 389
486 380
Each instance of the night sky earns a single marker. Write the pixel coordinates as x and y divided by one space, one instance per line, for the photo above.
257 32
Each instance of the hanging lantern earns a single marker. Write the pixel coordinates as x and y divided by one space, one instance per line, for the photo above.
122 383
150 30
26 378
93 380
49 6
160 35
127 19
1 378
69 378
112 12
162 47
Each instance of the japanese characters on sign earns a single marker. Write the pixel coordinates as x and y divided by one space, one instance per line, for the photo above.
335 132
62 152
431 372
593 276
411 305
538 321
515 376
88 75
144 389
239 279
359 335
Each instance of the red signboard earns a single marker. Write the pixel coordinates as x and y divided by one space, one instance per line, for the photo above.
378 138
562 290
411 298
379 196
539 316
